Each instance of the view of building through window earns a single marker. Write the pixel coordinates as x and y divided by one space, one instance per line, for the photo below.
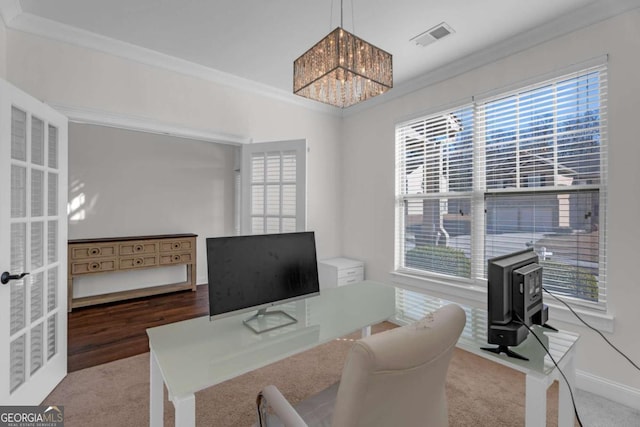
520 170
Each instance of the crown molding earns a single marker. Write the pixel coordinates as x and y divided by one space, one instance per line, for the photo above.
597 11
591 14
47 28
142 124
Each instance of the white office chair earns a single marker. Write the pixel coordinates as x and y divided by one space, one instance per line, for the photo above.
393 378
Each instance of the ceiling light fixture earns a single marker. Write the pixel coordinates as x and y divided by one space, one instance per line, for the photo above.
342 70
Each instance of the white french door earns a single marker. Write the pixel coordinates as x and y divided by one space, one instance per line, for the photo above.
33 237
273 180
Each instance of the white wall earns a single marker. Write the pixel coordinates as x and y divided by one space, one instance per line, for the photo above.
126 183
368 192
3 49
64 74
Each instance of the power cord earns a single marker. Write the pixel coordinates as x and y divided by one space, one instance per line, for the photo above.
573 401
593 329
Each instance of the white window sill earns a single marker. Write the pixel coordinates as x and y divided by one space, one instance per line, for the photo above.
467 293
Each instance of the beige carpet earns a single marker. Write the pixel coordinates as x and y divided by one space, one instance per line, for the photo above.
480 393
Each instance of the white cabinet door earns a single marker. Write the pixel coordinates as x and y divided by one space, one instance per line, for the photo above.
33 237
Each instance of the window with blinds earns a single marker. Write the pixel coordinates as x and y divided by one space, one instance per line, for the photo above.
522 169
435 183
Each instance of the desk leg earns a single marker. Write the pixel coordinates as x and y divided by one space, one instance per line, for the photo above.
535 409
185 410
156 393
566 416
366 331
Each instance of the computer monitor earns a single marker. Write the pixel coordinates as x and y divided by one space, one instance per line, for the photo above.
514 299
255 272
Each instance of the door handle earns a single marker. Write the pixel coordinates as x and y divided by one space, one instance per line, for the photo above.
4 279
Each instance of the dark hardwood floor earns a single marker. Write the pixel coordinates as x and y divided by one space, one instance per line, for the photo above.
107 332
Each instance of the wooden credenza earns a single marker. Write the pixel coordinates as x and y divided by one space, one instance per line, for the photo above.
106 255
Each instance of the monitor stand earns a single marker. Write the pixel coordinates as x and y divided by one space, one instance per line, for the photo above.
504 349
261 321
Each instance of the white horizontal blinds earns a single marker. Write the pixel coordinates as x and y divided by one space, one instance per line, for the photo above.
544 159
273 192
434 166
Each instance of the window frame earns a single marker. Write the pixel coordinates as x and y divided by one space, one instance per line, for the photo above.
473 289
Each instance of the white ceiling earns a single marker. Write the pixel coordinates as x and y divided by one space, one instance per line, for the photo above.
260 39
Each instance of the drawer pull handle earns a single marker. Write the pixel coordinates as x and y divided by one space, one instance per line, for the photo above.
94 266
351 272
176 258
138 261
138 248
94 251
176 245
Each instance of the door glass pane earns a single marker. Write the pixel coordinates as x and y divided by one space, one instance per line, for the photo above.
53 147
18 134
17 362
273 225
18 306
289 166
52 289
289 199
37 141
288 225
257 200
52 242
273 199
18 247
37 342
257 225
273 167
257 168
52 337
18 191
37 244
37 192
52 197
37 295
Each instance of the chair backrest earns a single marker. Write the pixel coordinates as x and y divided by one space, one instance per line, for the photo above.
397 377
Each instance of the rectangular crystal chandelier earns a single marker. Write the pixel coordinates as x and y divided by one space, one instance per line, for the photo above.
342 70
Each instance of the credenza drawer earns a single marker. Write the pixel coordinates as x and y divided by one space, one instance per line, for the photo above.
97 266
93 251
138 248
169 258
138 261
176 245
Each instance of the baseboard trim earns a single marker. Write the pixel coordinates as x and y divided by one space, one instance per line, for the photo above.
608 389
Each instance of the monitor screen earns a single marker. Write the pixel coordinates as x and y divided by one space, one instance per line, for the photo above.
257 271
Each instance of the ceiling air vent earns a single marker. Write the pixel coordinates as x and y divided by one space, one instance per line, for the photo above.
433 34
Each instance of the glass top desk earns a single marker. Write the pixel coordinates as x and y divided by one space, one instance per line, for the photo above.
194 354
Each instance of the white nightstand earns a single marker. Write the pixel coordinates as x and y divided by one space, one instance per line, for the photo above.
339 271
